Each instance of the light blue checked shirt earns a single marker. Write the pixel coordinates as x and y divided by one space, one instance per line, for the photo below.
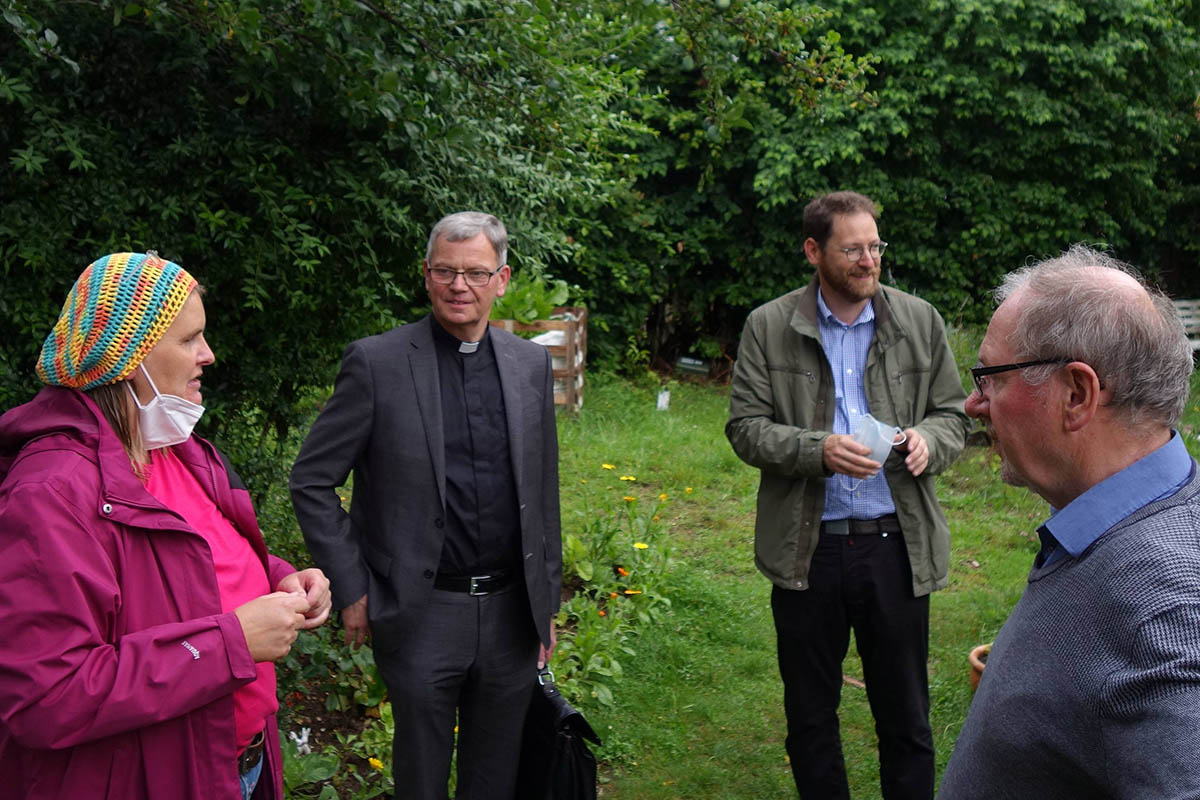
846 348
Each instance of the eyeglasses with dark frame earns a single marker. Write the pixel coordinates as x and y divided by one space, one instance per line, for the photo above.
980 374
473 277
853 254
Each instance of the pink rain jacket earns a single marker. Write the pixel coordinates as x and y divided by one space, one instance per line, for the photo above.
116 663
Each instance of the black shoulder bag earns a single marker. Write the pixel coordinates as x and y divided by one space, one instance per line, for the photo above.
556 763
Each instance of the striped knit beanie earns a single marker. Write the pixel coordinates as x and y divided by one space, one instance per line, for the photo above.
115 314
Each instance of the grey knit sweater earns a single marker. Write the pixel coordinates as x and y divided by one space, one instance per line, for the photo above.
1092 688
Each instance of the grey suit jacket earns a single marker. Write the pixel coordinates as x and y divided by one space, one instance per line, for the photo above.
384 423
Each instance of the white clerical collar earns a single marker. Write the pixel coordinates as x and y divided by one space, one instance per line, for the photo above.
468 347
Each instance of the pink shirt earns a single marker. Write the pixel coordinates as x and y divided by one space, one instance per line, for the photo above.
240 575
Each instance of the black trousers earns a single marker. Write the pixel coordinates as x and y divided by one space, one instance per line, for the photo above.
864 583
474 655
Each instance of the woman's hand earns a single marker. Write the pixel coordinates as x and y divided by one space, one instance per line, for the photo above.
313 584
271 623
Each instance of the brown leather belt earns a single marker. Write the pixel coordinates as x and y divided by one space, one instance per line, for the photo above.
253 752
475 584
888 523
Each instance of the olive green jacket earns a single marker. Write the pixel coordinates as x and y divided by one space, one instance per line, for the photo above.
781 410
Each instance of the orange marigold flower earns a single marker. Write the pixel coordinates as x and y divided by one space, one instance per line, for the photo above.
624 573
603 613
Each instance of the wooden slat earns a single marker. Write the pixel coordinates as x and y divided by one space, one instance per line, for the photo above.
1189 314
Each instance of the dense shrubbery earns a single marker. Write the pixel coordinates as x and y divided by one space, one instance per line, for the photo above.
294 155
655 153
989 131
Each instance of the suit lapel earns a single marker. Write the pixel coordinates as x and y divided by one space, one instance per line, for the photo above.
422 361
509 367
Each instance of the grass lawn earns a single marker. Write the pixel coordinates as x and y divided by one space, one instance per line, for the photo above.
699 713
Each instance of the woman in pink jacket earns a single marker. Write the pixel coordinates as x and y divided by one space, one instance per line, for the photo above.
141 611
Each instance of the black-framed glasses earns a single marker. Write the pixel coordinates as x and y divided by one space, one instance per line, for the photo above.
980 374
853 254
473 277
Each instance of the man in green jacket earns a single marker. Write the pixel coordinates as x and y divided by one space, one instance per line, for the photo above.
849 542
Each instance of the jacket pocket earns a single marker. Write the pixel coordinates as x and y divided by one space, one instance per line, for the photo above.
379 561
910 393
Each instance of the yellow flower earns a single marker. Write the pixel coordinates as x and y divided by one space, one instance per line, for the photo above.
628 478
608 466
633 591
654 518
640 545
662 496
688 490
583 480
375 762
629 499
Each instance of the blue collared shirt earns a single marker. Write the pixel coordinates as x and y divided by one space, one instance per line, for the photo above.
846 349
1072 529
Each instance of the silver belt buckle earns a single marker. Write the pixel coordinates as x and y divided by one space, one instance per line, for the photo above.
474 590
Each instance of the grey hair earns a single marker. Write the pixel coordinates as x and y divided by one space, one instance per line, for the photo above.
1135 342
463 225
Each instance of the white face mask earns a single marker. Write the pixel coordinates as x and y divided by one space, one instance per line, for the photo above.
167 419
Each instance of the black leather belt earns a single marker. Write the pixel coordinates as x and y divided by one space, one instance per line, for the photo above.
251 755
889 523
475 584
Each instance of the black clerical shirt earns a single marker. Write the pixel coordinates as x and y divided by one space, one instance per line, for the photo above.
482 523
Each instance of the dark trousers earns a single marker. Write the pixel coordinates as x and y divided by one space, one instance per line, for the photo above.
864 583
474 655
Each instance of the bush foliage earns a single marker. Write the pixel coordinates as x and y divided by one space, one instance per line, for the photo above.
655 153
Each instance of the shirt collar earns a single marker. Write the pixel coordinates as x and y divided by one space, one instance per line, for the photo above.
1151 478
867 315
451 343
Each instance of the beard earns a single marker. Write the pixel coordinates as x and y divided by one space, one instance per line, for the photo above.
847 281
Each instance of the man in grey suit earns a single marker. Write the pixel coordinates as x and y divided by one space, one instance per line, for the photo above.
450 555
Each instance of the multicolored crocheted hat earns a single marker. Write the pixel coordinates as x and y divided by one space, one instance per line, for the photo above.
116 312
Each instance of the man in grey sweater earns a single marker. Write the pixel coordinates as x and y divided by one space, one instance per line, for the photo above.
1092 688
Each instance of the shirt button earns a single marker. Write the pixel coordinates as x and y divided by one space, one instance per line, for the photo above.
428 574
106 508
438 523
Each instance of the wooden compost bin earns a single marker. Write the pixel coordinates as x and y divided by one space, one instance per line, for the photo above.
565 336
